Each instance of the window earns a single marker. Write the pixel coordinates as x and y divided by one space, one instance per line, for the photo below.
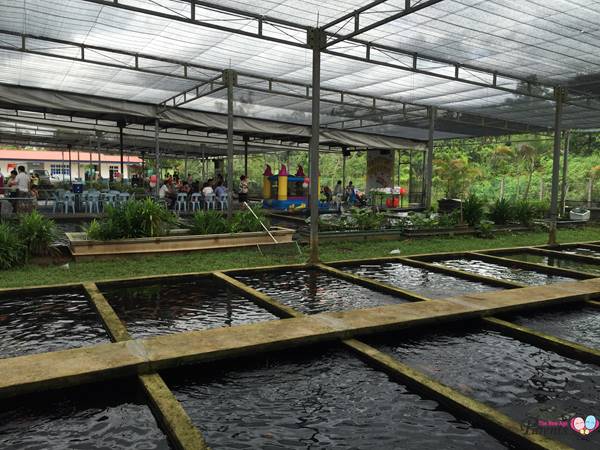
59 169
112 170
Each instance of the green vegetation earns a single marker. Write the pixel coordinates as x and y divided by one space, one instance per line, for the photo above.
209 222
98 270
31 235
473 210
14 252
37 233
133 219
213 222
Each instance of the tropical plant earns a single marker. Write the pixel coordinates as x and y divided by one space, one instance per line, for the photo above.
473 209
366 219
525 212
245 222
37 232
209 222
133 219
530 159
13 250
449 220
501 160
501 211
485 229
456 173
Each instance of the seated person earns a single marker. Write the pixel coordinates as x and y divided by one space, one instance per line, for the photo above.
167 193
328 194
185 188
220 190
207 189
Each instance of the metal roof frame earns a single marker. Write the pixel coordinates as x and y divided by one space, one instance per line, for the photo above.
370 48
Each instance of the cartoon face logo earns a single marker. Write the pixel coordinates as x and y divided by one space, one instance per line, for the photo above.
584 426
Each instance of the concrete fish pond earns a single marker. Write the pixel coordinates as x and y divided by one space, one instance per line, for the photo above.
390 353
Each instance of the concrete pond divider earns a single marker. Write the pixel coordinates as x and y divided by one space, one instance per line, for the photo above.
178 241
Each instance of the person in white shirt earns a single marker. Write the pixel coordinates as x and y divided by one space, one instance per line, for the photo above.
22 181
207 190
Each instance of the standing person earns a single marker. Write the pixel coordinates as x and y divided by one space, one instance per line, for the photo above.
338 189
243 193
351 194
23 185
35 185
1 183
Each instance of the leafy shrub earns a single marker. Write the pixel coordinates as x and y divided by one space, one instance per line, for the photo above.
485 229
245 222
502 212
422 221
473 210
540 208
449 220
133 219
209 222
366 219
37 233
14 251
525 213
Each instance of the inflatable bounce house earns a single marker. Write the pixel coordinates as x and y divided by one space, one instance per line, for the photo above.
285 192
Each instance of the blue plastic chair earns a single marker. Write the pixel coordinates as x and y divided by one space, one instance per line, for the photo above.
196 201
209 201
69 202
223 201
181 204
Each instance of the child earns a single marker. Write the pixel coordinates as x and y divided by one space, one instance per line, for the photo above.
243 193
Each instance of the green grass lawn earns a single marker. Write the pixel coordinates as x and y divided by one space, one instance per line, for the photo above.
32 275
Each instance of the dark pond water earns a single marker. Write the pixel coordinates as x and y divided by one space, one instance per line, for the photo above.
503 272
593 269
313 291
422 281
324 399
575 323
99 416
523 381
172 307
582 251
43 323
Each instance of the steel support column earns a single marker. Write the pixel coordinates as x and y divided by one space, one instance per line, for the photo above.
229 77
559 93
565 173
246 155
121 151
344 169
317 41
157 150
185 165
428 172
70 164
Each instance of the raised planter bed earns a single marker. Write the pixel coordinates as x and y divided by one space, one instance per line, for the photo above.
394 234
177 241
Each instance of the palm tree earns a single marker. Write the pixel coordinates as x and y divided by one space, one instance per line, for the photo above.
502 157
530 159
594 175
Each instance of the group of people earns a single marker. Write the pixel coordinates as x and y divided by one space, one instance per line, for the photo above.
349 194
174 185
20 188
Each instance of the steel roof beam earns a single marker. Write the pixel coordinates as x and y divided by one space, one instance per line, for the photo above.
288 39
352 15
190 94
260 21
409 8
